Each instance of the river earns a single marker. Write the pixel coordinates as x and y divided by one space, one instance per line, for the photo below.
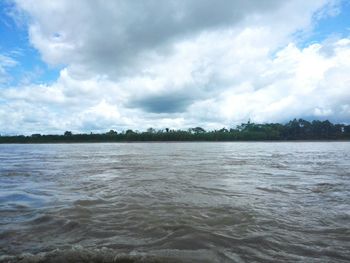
175 202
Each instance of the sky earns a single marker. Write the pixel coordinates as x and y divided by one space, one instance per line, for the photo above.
94 65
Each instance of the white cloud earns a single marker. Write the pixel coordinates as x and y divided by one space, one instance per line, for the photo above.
119 37
6 62
161 64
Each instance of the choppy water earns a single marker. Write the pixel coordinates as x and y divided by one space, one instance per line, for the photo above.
175 202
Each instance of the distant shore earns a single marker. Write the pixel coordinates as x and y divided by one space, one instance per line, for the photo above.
295 130
178 141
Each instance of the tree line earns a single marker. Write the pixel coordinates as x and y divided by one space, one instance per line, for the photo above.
293 130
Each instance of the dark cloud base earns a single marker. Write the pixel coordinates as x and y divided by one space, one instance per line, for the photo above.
163 103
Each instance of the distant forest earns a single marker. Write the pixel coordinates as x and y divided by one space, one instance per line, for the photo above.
293 130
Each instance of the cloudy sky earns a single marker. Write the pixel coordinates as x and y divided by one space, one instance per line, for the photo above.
94 65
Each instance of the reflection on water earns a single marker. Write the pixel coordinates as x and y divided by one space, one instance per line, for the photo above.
186 202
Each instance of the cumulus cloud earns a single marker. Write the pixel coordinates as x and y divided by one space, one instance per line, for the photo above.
109 37
178 64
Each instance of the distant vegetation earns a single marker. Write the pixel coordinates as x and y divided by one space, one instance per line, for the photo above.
293 130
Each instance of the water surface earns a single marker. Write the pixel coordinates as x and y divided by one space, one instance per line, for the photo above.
186 202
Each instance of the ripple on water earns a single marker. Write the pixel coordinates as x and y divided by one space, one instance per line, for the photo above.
195 202
81 255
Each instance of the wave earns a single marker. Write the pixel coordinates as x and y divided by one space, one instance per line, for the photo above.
106 255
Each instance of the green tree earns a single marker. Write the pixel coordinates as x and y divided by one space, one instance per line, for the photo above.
68 133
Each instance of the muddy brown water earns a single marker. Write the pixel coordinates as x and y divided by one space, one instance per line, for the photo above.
175 202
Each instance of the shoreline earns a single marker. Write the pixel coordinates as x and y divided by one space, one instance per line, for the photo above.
193 141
